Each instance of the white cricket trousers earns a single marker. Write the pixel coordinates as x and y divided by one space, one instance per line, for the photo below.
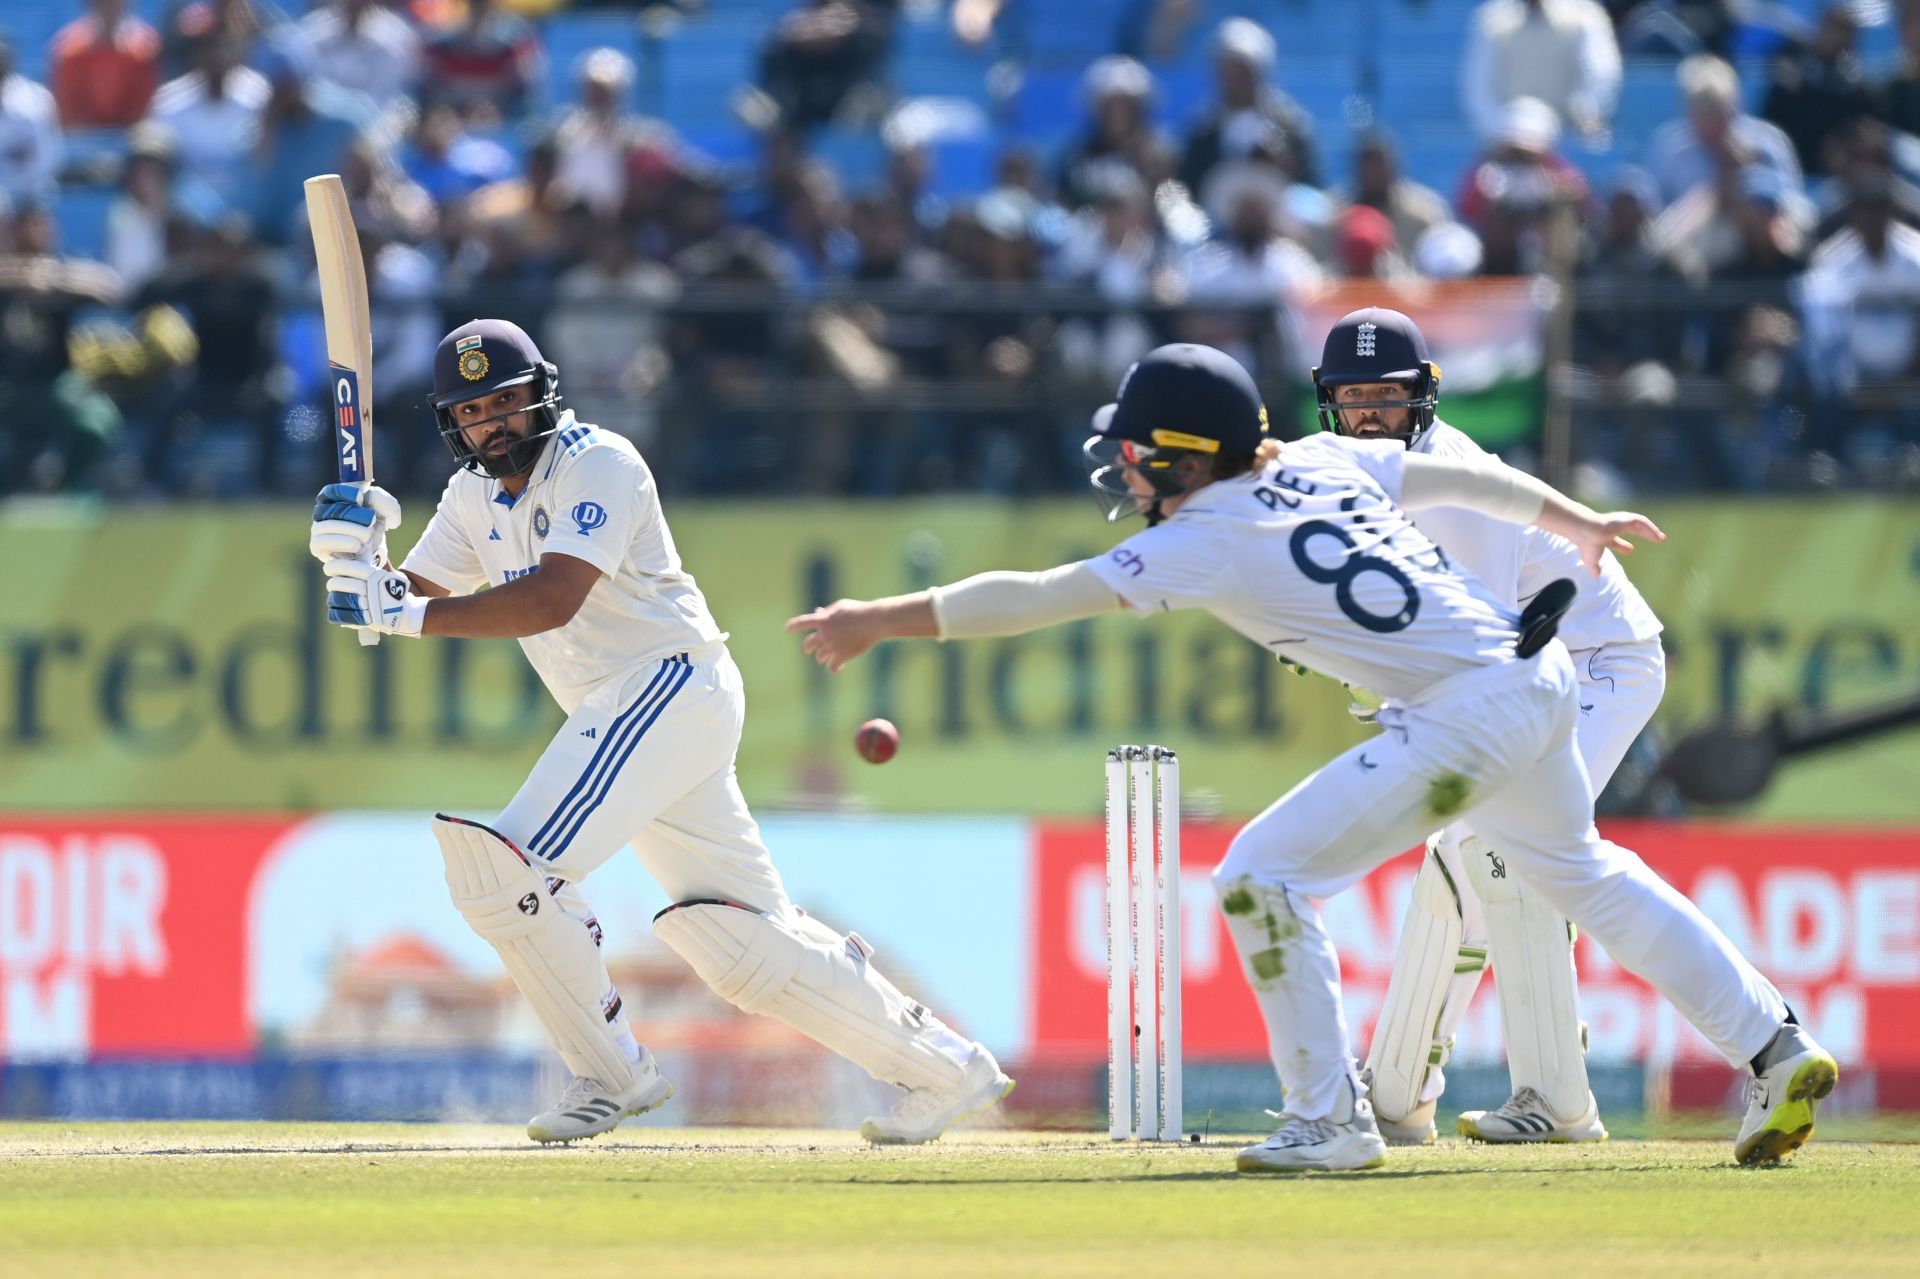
1494 748
654 766
1620 687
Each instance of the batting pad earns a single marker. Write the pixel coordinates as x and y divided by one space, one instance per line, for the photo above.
550 956
819 982
1407 1045
1533 970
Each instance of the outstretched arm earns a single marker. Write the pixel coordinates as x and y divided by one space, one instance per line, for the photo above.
1494 488
983 605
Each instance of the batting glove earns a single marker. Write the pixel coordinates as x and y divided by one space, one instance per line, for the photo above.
351 521
364 597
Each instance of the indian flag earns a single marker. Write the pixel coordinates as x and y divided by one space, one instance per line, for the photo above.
1488 337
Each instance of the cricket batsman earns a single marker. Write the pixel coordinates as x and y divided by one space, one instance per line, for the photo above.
561 523
1306 549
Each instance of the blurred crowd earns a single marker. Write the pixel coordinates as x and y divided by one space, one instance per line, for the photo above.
760 321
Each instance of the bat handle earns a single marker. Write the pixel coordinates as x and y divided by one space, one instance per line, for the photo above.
368 639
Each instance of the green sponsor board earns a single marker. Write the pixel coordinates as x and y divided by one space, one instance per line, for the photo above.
181 659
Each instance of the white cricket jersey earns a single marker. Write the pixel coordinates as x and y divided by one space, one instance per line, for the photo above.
1515 562
1311 558
591 497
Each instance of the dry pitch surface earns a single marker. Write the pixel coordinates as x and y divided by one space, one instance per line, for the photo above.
287 1201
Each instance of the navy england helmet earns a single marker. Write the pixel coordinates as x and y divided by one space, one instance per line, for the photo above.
483 357
1185 414
1374 345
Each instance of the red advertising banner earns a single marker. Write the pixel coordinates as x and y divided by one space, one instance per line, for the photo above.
126 936
1832 916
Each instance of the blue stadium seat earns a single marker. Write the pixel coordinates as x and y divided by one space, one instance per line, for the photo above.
964 166
1048 109
695 70
82 213
856 156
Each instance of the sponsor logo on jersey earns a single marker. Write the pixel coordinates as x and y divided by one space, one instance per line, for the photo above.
588 516
540 521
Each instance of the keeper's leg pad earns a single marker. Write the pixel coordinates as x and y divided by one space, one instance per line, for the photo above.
1412 1039
818 981
550 955
1531 949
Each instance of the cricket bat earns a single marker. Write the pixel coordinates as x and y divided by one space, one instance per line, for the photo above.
349 324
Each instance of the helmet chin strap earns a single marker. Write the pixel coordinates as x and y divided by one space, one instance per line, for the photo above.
1152 513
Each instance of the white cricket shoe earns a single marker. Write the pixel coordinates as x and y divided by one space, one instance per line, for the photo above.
588 1108
1794 1074
1525 1116
924 1113
1323 1145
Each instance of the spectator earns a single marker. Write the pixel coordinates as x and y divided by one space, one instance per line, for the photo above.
1365 248
595 137
190 25
447 162
305 129
30 145
137 224
214 112
1115 249
223 288
825 58
1861 306
719 355
530 207
1250 112
1378 184
57 426
105 68
1866 157
1238 285
488 57
1674 28
381 195
360 46
1900 94
1819 90
1513 191
809 222
1447 251
606 318
1628 284
1118 91
1690 150
1560 52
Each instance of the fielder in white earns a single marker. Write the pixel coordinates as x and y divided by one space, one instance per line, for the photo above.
1466 910
1306 550
562 524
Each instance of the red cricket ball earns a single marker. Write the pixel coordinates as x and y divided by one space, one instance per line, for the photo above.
877 741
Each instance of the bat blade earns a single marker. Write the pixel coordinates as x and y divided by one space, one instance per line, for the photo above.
349 326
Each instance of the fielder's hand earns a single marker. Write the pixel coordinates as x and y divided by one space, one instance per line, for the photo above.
365 598
1597 533
349 521
841 631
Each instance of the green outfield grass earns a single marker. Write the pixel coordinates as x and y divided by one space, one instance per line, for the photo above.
286 1201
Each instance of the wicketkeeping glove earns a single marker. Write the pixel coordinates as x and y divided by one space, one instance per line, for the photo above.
348 521
364 597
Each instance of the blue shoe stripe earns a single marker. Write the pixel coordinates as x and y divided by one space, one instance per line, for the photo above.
600 755
605 785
